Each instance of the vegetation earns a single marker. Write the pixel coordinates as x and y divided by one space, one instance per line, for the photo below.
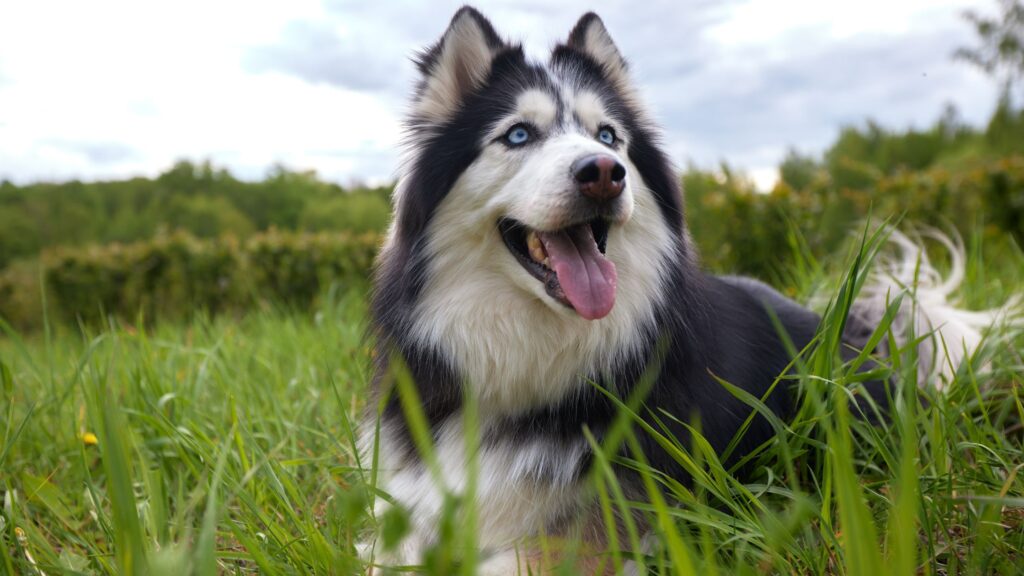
199 199
172 277
226 446
143 246
948 176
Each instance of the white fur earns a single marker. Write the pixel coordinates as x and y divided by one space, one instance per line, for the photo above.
590 110
521 488
538 108
505 563
952 334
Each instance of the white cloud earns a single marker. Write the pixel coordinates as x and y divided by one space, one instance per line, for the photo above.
767 22
166 82
116 87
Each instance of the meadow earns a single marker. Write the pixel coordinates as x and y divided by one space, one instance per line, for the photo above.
224 445
183 361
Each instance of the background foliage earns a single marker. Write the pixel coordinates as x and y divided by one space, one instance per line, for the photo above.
948 175
195 237
199 199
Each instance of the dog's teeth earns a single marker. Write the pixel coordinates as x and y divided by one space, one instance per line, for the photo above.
536 248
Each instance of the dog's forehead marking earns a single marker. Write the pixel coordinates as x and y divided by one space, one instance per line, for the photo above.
589 109
537 106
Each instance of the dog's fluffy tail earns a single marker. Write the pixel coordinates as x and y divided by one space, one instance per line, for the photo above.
948 335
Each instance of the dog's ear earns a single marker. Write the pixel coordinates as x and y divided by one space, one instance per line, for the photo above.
457 64
590 37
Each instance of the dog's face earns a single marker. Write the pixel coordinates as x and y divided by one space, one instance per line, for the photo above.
533 189
552 173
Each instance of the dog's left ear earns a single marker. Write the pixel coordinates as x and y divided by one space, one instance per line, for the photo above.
456 65
590 37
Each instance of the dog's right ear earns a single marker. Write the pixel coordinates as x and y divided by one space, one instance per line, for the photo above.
458 64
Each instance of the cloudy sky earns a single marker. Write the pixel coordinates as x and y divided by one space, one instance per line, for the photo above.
113 88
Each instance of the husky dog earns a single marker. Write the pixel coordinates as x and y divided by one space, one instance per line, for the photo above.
538 247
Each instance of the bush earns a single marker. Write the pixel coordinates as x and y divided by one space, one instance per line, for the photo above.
742 231
354 211
21 295
296 268
207 217
199 199
173 276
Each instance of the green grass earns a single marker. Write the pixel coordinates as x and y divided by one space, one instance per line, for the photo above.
226 446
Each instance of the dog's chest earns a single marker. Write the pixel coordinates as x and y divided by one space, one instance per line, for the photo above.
522 485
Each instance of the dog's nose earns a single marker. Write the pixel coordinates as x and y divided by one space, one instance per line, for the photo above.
599 176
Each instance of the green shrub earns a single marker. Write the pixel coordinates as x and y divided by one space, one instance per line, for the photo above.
165 277
207 217
354 211
296 268
21 295
197 198
176 275
743 231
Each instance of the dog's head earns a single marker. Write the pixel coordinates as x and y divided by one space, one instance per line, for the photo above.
548 157
530 188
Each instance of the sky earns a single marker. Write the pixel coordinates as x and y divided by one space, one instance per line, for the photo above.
117 88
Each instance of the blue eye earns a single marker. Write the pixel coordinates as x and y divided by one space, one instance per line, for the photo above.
517 135
606 135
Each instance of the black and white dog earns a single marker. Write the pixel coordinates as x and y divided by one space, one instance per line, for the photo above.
538 246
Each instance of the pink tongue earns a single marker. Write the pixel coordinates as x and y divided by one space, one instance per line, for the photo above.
587 277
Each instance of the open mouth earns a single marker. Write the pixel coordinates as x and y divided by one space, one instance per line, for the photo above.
570 262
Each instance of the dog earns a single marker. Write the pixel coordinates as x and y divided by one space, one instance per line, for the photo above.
538 254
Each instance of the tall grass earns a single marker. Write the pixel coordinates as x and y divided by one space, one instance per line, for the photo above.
218 446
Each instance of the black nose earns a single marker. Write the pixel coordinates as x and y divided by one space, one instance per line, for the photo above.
599 176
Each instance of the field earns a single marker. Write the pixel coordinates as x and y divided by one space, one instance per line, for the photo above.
225 446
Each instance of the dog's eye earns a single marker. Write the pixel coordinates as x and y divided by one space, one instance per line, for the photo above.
606 135
517 135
